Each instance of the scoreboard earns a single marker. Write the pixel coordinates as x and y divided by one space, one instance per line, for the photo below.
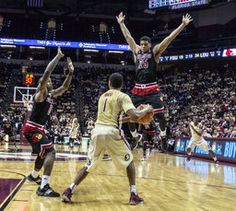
175 4
28 79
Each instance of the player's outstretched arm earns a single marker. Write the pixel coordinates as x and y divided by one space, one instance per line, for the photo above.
130 40
160 48
50 67
66 84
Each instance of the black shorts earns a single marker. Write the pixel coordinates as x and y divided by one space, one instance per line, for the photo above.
154 99
40 143
148 137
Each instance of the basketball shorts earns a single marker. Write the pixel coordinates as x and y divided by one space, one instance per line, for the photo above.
147 138
154 99
37 138
200 143
108 139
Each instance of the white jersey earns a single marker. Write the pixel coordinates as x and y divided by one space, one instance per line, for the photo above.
194 135
196 139
74 131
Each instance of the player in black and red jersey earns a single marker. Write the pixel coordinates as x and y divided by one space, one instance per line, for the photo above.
146 58
34 131
149 136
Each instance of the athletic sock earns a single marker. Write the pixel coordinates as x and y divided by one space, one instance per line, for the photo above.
72 186
133 189
45 181
34 173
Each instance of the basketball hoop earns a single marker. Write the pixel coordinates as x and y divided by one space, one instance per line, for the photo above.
24 95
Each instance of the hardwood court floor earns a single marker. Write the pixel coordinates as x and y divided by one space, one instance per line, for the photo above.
166 182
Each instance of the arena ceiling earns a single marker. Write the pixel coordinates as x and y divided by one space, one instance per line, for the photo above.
79 7
86 8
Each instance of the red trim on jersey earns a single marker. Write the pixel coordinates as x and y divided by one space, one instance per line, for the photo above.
30 126
150 132
158 110
43 148
145 89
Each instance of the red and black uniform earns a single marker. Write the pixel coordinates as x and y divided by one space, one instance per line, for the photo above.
146 90
149 136
33 129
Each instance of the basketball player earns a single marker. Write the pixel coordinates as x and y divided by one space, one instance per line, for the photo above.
9 134
146 59
90 126
73 132
107 136
198 140
149 132
34 131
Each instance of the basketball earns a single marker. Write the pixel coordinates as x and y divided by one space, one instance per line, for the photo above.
148 116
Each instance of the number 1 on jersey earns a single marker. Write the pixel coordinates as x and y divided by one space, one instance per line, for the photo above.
105 105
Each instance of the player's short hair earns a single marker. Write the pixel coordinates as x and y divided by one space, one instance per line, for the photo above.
145 38
116 80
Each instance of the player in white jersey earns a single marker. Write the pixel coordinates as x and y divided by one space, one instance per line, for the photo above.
106 136
73 132
197 139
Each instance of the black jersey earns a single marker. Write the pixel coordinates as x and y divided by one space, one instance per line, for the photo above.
145 67
41 110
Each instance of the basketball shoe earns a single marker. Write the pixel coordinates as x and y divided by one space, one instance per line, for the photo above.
135 199
66 196
47 191
37 180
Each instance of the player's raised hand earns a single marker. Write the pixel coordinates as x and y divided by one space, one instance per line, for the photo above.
70 65
59 52
120 18
186 19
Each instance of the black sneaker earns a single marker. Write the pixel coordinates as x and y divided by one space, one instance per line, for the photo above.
47 191
135 199
37 180
135 142
66 196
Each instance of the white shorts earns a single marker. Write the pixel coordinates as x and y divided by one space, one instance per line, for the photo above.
109 139
200 143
